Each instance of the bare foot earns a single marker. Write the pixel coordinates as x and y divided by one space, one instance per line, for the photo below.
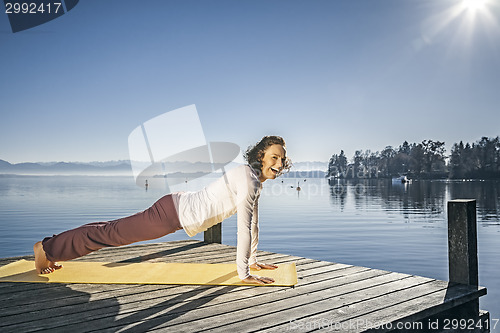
42 264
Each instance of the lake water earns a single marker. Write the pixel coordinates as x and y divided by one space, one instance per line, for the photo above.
372 223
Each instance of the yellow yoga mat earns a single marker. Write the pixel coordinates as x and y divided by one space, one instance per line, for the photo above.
143 273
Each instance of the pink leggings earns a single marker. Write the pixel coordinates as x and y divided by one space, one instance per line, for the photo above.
159 220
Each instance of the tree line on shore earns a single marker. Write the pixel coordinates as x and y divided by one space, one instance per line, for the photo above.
423 160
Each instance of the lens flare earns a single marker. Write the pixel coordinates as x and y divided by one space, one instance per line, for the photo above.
474 4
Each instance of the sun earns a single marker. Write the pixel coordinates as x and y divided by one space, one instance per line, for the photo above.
461 23
474 4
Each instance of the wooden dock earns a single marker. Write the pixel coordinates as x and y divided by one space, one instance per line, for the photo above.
329 296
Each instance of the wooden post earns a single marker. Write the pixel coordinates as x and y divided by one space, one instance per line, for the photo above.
462 251
213 234
462 242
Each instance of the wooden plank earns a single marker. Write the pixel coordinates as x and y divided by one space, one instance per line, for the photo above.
251 303
245 297
146 253
210 256
414 310
325 290
314 303
213 234
358 316
23 300
17 290
16 293
5 261
190 250
142 304
94 289
52 293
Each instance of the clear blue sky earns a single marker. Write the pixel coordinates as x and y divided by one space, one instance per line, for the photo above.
326 75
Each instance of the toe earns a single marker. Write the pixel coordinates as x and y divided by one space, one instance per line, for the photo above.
47 270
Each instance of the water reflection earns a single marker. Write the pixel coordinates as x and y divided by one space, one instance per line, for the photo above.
420 197
487 194
338 194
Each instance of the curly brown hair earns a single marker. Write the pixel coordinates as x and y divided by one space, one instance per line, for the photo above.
254 154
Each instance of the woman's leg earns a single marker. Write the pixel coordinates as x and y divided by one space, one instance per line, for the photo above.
157 221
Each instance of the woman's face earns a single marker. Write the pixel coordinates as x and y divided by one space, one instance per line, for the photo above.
272 162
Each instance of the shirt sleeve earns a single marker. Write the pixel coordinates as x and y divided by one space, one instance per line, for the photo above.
247 196
254 232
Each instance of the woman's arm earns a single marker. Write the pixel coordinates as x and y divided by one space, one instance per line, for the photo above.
254 264
254 233
245 210
247 190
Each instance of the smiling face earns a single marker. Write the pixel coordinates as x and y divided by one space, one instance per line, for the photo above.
272 162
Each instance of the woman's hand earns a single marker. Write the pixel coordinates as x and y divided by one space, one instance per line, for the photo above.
258 266
258 279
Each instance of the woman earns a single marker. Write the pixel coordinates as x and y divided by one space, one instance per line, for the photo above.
238 191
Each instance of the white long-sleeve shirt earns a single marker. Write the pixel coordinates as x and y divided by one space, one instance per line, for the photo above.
237 191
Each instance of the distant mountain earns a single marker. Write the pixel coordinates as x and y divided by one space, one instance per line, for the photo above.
95 163
300 169
305 174
63 168
309 166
